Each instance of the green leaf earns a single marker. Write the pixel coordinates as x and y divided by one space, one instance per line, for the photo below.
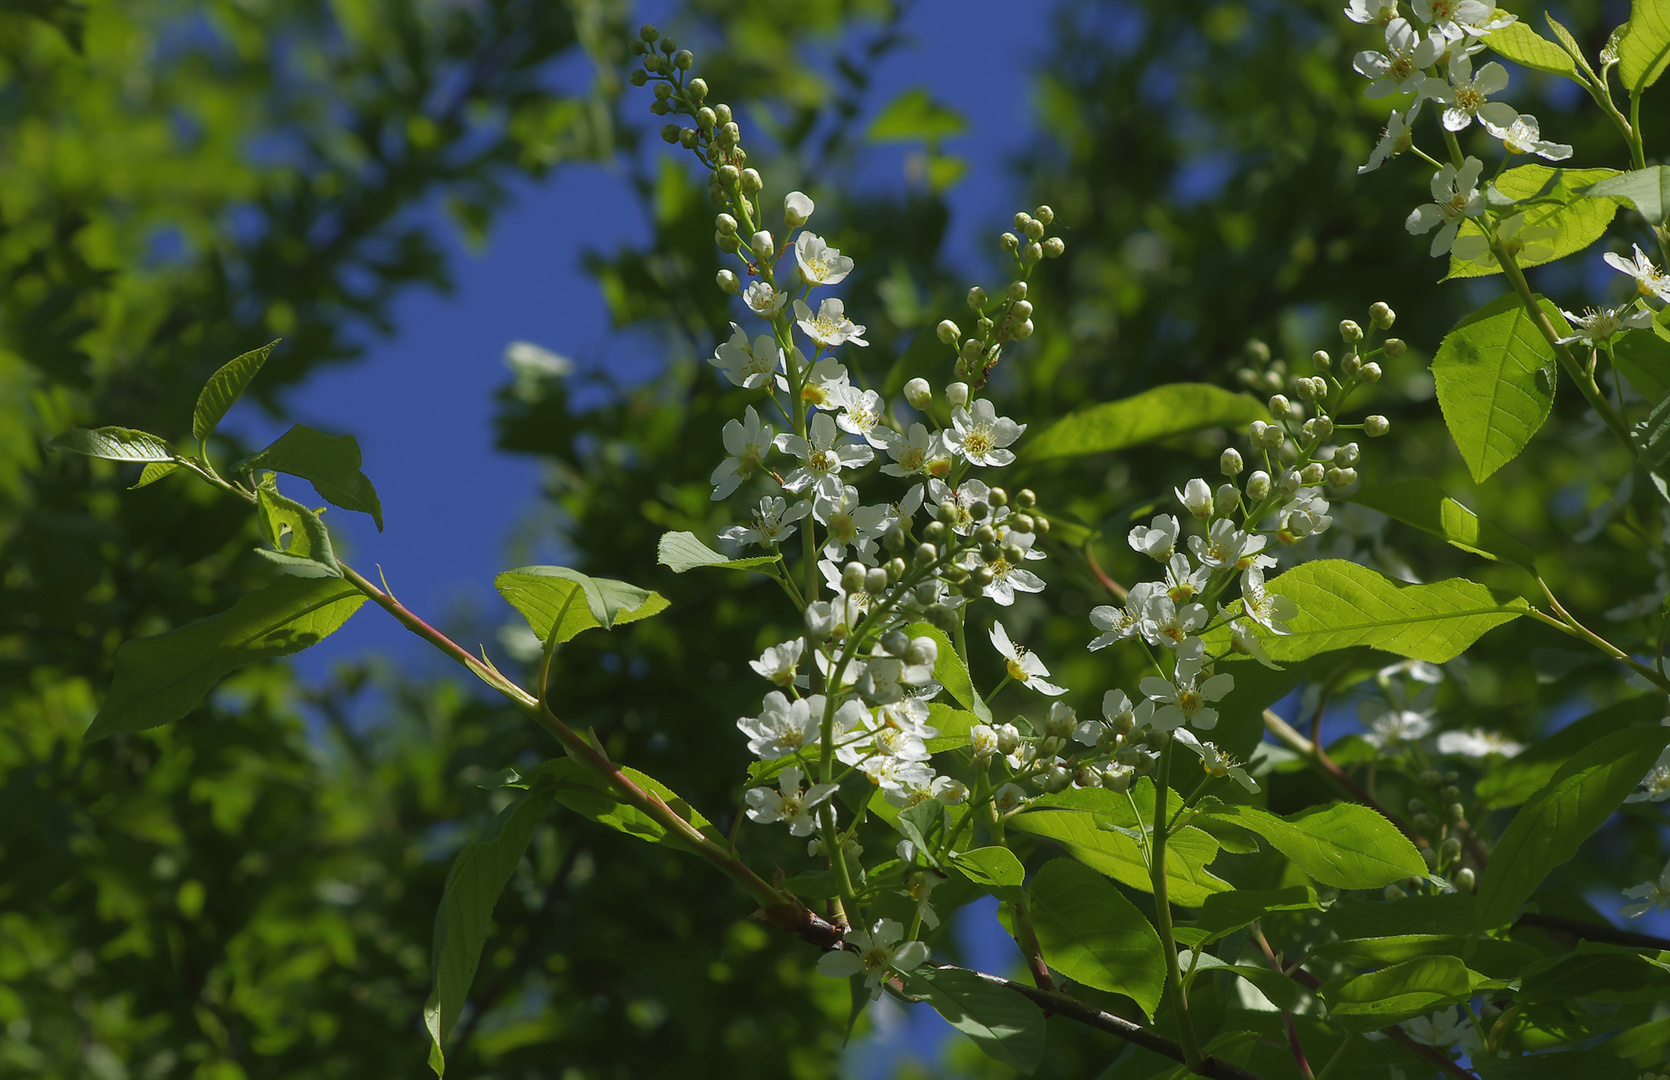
950 672
1548 830
1441 913
924 826
1651 438
682 551
1159 413
1554 199
331 463
1224 912
224 388
1524 46
300 542
1511 781
1645 48
1495 374
153 472
584 792
1342 844
114 444
994 869
478 875
160 679
953 726
1090 933
1423 504
1648 190
1597 973
559 602
1009 1028
1643 358
1280 989
1342 604
1119 855
915 115
1402 991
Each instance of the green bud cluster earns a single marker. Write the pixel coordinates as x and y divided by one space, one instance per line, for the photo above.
1009 319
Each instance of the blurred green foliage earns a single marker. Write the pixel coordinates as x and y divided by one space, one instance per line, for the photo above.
241 895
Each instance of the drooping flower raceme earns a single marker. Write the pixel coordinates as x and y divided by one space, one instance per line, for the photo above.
1022 664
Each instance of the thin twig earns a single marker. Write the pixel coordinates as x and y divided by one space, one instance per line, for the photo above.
1293 1045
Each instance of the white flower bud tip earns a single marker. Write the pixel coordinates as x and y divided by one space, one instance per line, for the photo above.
797 209
1383 315
762 246
728 282
1258 485
1370 373
957 394
1376 426
1320 359
1350 332
948 331
1230 463
919 393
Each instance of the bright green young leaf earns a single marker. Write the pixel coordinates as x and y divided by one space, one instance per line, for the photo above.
1118 854
1343 844
924 826
582 791
225 387
1280 989
1643 358
952 724
681 551
994 869
1009 1028
915 115
300 542
1495 373
160 679
1524 46
1224 912
114 444
1412 988
478 875
1159 413
1090 933
559 602
1423 504
1570 219
1645 48
950 672
1511 781
1648 190
331 463
1548 830
1342 604
1661 323
153 472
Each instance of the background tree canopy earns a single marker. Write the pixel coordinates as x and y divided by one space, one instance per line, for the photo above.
250 893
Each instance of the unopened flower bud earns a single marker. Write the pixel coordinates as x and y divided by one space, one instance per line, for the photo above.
1230 463
729 243
1320 360
722 112
957 394
1424 822
1031 253
728 282
684 59
919 393
728 176
1275 439
1040 524
637 76
894 538
1430 857
688 138
1009 241
934 531
669 132
751 182
1321 427
697 89
648 32
1383 315
659 108
985 534
1229 496
1016 293
1022 309
1350 332
1450 851
1312 474
852 577
976 298
926 554
1022 523
1021 218
762 245
1350 365
1279 405
1370 373
1465 879
725 223
1044 214
1117 778
1034 229
1008 739
1395 347
1258 485
1392 892
875 580
1376 426
1021 330
1255 432
948 331
1055 779
1347 455
1054 247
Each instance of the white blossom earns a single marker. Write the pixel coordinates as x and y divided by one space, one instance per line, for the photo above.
764 300
1651 894
1022 664
819 263
1455 199
1263 607
1477 743
823 459
1596 325
918 453
1402 67
861 414
747 441
982 740
783 726
789 803
879 955
962 499
1196 497
1305 514
1184 582
747 365
1458 17
1227 547
797 208
773 522
1655 786
1523 135
1181 701
1515 235
830 327
1389 727
1157 540
980 436
780 663
1119 623
1371 12
1167 623
1397 138
1649 279
1244 640
824 384
1467 94
849 524
1008 798
1448 1028
1214 761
